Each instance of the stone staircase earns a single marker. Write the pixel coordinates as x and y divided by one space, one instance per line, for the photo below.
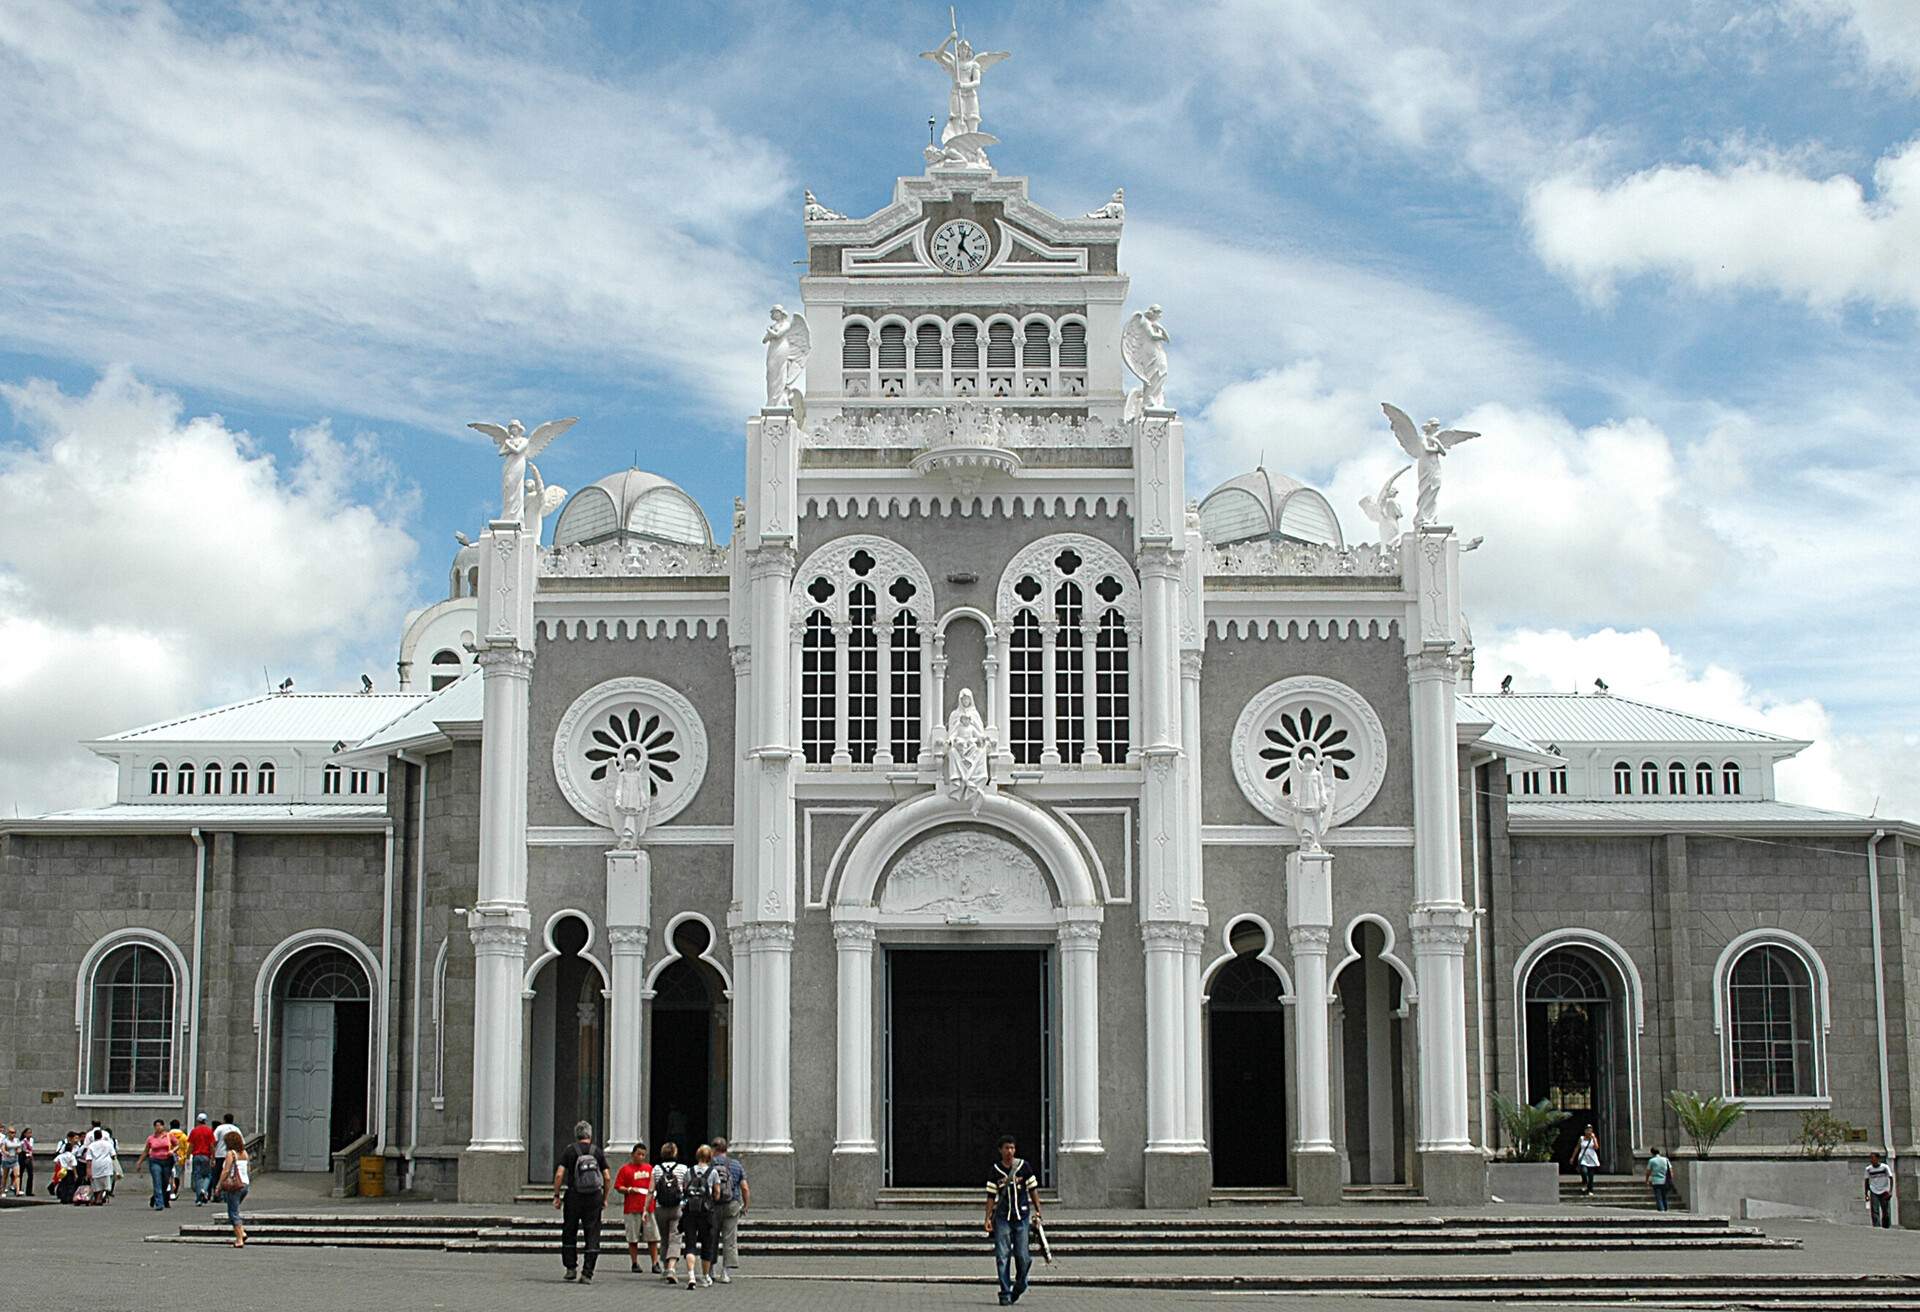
1624 1191
867 1235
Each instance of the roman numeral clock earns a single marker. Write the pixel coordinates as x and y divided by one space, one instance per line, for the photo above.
960 246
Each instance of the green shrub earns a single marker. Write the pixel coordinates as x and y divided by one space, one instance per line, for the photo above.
1705 1119
1530 1130
1821 1132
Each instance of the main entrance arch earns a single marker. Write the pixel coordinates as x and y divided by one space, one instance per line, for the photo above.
971 940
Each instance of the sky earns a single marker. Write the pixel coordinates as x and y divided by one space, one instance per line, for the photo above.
261 263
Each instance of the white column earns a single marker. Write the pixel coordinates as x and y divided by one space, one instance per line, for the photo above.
743 1081
883 698
1003 691
770 945
1080 1055
499 920
626 1110
853 1121
990 671
1440 921
1089 704
937 687
843 678
1049 689
1192 1026
1136 677
1309 929
933 710
1165 943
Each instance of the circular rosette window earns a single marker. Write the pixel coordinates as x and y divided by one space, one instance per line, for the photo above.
1309 717
610 719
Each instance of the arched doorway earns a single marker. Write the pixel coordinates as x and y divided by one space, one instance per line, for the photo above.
1369 1049
1246 1064
687 1034
325 1031
566 1047
1573 1021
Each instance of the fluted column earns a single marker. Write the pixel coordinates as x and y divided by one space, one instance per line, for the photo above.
1080 1010
499 961
1165 943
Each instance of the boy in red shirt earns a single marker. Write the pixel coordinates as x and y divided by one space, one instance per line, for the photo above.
634 1184
200 1148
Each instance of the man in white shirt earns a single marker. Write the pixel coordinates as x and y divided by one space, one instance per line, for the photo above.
100 1165
1879 1191
220 1133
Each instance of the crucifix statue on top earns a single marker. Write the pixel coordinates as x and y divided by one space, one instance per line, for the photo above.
962 141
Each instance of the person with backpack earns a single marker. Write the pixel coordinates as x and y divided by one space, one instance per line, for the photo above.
735 1198
699 1218
579 1194
669 1192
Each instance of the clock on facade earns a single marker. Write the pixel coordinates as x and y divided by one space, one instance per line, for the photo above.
960 246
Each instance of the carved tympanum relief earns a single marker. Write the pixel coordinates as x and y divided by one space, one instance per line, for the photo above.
966 875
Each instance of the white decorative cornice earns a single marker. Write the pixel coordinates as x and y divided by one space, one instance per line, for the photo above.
634 560
1269 559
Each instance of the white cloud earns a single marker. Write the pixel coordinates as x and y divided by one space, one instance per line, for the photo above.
326 205
152 563
1847 774
1760 222
1887 32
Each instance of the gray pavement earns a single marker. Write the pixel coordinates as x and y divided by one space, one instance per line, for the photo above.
113 1269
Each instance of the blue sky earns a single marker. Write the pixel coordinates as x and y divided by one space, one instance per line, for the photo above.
260 264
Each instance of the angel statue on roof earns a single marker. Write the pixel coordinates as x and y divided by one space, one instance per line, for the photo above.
1428 445
1383 508
789 342
1312 798
542 501
1143 345
962 141
517 447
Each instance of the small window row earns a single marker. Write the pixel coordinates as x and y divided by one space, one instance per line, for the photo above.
1677 779
335 782
211 779
1528 783
964 356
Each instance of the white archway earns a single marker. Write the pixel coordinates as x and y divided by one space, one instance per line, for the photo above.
1060 857
1621 960
1265 957
1809 957
552 953
673 954
1409 991
263 983
183 986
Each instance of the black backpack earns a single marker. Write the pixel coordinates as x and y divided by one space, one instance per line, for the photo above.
588 1175
666 1185
700 1190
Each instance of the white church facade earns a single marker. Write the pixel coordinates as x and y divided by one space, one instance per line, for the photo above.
985 780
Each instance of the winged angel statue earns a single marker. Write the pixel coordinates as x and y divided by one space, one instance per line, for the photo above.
1383 508
962 141
1143 345
517 448
1428 446
789 343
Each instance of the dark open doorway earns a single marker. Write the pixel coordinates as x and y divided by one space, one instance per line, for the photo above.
688 1039
968 1062
1246 1057
1570 1051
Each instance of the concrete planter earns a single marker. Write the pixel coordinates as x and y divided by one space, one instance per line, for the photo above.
1753 1189
1524 1182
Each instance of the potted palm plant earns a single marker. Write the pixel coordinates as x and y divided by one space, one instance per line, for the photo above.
1528 1173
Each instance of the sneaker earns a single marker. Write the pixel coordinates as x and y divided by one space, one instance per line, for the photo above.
636 1268
706 1282
587 1278
656 1268
571 1274
725 1279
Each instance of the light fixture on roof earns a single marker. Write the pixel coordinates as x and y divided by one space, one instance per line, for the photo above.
286 684
339 746
1506 686
366 683
1600 687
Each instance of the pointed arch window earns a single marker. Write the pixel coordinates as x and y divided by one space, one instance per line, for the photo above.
1070 683
1066 606
1730 778
1622 778
862 655
893 359
157 779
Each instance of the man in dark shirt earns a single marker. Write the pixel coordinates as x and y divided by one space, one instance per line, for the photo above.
1013 1204
580 1193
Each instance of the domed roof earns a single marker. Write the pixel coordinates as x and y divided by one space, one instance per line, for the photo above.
632 503
1266 505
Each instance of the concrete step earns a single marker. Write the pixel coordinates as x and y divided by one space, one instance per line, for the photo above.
1244 1196
930 1199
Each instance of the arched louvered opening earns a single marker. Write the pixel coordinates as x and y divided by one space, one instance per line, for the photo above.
1036 359
1000 358
966 359
893 359
817 677
1026 696
856 360
1073 359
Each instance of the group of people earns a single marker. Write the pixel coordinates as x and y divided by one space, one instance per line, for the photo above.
16 1161
209 1159
680 1211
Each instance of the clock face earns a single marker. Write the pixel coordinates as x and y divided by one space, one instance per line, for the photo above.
960 246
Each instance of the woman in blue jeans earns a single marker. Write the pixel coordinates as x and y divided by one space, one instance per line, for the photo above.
235 1177
157 1157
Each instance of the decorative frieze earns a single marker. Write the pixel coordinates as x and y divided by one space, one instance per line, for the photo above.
919 430
634 560
1266 559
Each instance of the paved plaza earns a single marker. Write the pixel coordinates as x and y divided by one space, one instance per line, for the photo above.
123 1272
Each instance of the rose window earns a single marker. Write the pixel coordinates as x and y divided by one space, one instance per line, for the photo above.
654 737
1309 714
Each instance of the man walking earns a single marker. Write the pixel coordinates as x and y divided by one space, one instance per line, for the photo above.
736 1197
1879 1192
634 1184
1013 1204
200 1150
579 1194
1659 1177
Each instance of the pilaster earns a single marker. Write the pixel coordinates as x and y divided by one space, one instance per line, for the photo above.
854 1175
1315 1164
629 913
1082 1156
